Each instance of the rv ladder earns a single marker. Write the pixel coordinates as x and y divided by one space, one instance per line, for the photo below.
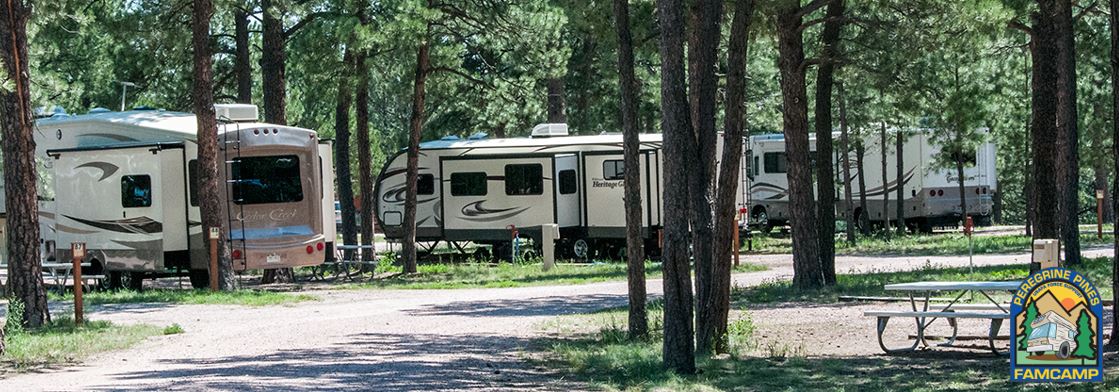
230 217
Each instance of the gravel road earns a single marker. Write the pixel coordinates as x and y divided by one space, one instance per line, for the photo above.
378 339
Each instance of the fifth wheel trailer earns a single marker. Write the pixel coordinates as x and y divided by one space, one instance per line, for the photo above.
932 196
126 184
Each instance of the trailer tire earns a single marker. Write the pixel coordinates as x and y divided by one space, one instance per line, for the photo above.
126 280
1064 351
762 217
581 249
199 278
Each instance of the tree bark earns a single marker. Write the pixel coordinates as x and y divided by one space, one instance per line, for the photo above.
415 129
825 172
342 154
242 62
702 167
1068 147
272 67
679 343
730 169
25 273
1043 124
202 94
1113 23
631 145
557 101
885 188
848 197
1028 187
364 160
806 263
864 216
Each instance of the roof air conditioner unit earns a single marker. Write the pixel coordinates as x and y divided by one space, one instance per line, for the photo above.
549 130
237 112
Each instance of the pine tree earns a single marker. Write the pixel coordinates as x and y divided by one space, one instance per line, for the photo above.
1027 326
1085 337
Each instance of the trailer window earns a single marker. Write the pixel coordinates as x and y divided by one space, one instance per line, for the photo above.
468 184
136 191
756 167
425 184
263 180
613 170
567 182
523 180
776 162
194 182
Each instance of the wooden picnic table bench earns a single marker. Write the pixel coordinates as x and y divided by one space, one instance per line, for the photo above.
993 310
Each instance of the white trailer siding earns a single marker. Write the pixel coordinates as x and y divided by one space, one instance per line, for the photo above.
519 192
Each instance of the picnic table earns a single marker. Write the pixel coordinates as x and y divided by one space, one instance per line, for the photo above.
921 292
341 265
60 273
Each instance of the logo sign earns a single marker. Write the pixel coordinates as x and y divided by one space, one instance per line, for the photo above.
78 249
1057 329
215 233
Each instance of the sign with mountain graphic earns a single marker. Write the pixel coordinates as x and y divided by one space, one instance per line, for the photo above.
1056 332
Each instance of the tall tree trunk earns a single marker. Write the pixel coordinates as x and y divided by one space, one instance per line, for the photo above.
1113 23
1068 147
272 67
825 172
885 182
899 149
849 202
702 167
1028 187
364 160
242 61
864 216
729 169
679 343
557 101
631 145
802 203
415 129
202 94
25 272
1043 124
342 154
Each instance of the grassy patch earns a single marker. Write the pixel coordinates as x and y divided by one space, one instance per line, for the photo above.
1098 271
63 342
194 297
919 244
489 275
173 329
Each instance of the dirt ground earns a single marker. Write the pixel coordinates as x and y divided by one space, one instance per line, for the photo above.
423 339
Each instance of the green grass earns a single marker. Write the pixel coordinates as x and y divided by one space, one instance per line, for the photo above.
193 297
63 342
919 244
1098 271
487 275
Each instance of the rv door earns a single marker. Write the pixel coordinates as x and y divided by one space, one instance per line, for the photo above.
567 190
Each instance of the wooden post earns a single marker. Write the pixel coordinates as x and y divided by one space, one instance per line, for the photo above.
77 250
215 233
737 245
1099 213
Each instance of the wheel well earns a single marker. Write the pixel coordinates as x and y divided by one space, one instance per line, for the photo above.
757 209
95 267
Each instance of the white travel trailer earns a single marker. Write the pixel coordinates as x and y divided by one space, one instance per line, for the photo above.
481 189
932 196
125 183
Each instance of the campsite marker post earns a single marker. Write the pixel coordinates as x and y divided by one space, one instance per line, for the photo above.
77 249
969 226
1099 213
214 234
736 243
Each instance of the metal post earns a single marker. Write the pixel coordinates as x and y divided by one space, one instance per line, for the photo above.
77 249
214 234
737 246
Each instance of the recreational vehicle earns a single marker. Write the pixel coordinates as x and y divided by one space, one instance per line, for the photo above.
1052 332
932 195
126 184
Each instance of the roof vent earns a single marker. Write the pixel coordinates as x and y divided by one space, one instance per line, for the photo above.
477 136
549 130
99 110
237 112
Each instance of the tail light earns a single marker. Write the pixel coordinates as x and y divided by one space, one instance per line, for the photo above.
940 192
237 254
741 210
977 191
320 246
932 192
310 249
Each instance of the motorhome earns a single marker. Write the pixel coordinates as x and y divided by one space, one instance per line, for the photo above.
1052 333
126 184
932 194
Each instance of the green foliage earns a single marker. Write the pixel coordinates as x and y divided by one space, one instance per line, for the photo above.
921 244
61 342
193 297
1027 326
13 323
173 329
1085 337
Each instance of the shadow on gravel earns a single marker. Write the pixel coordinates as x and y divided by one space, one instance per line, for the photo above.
379 362
541 306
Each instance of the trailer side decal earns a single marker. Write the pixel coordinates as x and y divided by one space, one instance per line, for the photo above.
140 225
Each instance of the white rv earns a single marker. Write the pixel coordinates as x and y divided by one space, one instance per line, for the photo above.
125 183
932 195
480 189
